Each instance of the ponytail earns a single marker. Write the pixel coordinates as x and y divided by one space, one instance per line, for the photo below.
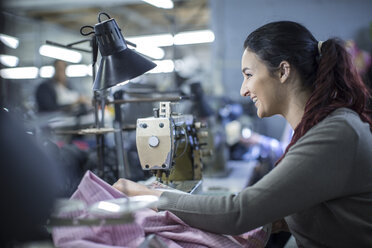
337 84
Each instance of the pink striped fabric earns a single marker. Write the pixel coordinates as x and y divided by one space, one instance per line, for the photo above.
166 226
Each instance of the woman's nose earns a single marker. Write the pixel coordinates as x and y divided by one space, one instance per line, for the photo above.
244 89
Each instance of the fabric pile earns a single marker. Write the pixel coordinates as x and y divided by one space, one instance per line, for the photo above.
165 226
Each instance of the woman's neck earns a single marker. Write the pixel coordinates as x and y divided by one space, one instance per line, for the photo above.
296 108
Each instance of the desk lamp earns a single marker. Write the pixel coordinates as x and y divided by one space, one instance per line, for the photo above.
118 64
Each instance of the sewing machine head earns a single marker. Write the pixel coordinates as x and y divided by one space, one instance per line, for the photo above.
170 144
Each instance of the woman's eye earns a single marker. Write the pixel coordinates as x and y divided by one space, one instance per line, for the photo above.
248 75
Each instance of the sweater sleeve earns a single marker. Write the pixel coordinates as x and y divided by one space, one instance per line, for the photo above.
317 168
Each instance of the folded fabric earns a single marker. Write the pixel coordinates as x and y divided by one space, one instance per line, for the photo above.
167 227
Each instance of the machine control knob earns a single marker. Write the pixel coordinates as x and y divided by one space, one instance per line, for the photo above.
154 141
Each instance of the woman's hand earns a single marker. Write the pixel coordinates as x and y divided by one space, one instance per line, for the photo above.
131 188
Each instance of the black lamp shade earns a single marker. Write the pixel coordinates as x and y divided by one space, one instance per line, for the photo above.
118 62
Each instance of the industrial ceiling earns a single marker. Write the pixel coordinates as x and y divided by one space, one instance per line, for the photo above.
134 16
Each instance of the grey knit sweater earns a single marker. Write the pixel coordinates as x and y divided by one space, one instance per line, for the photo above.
323 188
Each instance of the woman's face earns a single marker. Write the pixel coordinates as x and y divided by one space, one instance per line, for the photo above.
260 85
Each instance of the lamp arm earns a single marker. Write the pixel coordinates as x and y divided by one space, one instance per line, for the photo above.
69 46
78 42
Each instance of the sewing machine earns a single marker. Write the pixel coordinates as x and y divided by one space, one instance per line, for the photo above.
171 146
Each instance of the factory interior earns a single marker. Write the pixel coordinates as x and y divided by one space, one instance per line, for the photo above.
93 91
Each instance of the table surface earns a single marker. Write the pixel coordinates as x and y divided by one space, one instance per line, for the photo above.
237 179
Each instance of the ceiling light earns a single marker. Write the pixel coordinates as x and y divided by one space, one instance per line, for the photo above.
165 4
9 60
78 71
10 41
71 71
194 37
90 71
184 38
46 71
60 53
160 40
163 66
153 52
19 73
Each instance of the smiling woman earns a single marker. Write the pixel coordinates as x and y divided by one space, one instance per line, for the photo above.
314 186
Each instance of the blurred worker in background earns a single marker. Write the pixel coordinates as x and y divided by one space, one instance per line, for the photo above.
56 95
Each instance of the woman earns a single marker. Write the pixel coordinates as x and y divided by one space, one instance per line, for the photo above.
322 185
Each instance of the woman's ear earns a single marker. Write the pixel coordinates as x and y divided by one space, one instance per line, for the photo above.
284 71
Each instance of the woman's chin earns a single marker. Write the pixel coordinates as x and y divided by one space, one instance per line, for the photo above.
262 114
259 113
